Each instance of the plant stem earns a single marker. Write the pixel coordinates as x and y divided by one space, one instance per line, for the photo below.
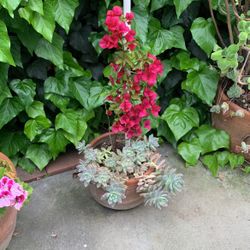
246 7
229 23
215 24
235 11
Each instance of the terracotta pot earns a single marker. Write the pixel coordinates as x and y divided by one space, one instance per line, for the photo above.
133 199
8 219
7 227
238 128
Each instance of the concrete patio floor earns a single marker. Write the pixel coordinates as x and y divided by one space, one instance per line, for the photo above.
210 214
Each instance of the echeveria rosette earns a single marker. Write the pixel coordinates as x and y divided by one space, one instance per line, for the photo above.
133 75
12 194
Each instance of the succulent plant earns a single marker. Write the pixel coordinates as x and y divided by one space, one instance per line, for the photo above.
115 193
90 154
111 161
152 142
126 165
156 197
171 181
110 170
87 174
102 177
81 147
139 146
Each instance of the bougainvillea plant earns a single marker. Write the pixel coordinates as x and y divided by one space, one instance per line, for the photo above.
133 74
13 192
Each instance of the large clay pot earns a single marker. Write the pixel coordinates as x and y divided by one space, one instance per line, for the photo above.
133 199
7 227
238 128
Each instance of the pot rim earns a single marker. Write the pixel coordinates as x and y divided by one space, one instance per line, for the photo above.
129 182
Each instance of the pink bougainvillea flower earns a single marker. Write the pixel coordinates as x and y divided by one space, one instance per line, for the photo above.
147 124
130 16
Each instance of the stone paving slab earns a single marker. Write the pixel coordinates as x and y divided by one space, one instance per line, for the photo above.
210 214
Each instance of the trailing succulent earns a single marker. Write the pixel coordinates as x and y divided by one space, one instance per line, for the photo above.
137 159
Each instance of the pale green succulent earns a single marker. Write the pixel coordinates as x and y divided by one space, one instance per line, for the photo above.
102 177
127 151
139 146
87 174
127 165
81 147
90 154
156 197
111 161
115 193
171 181
152 143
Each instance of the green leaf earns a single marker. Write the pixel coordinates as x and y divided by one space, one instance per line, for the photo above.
9 109
181 5
56 86
4 93
10 5
35 109
36 126
203 83
203 33
26 165
167 68
211 162
157 4
25 89
43 24
12 142
160 39
16 51
39 155
71 64
212 139
59 101
22 28
182 61
73 124
64 12
94 38
222 158
5 54
55 140
51 51
165 131
235 160
36 5
89 94
4 69
190 151
143 4
180 120
140 23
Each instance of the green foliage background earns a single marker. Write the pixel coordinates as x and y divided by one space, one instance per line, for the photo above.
52 85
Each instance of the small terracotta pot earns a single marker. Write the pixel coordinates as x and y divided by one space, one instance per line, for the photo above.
7 227
133 199
238 128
